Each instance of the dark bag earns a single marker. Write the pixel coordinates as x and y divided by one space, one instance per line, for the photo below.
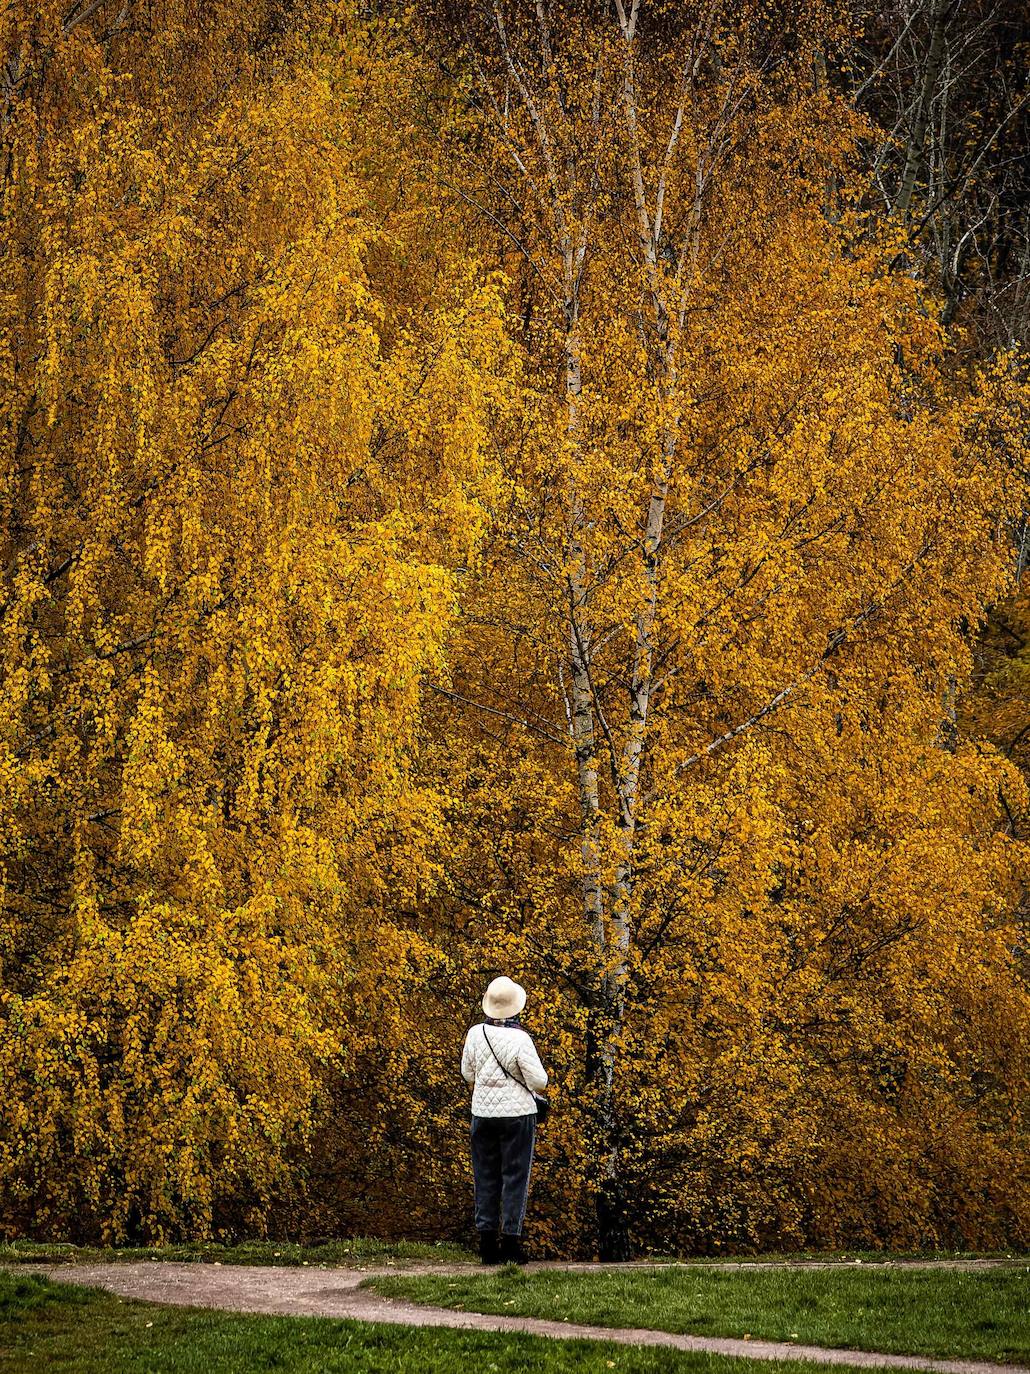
543 1105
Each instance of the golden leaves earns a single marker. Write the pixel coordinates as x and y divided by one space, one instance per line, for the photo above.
250 459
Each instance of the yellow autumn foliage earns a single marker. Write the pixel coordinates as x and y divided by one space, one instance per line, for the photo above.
768 895
242 460
490 500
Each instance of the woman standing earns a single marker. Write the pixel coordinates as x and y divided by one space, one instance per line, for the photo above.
501 1065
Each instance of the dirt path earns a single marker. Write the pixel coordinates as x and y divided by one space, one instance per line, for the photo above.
317 1292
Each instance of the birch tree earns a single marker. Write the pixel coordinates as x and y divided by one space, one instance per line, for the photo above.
946 85
657 184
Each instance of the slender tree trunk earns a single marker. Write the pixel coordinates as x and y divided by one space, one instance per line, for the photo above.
914 151
607 1012
579 646
613 1221
612 1210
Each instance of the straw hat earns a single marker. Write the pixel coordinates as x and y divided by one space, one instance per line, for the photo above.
503 998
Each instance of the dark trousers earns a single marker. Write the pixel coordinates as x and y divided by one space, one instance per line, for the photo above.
502 1157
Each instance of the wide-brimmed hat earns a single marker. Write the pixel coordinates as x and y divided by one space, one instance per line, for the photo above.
503 998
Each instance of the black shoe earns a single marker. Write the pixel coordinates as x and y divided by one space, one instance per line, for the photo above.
489 1251
512 1251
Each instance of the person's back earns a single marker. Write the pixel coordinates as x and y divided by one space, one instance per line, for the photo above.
504 1068
499 1061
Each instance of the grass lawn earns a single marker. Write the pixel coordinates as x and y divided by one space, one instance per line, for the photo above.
984 1314
54 1327
366 1250
344 1252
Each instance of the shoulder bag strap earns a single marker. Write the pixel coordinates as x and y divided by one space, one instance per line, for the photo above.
503 1070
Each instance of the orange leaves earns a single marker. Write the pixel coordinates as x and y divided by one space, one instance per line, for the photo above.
748 544
418 563
248 460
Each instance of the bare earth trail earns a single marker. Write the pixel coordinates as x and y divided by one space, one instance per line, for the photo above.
317 1292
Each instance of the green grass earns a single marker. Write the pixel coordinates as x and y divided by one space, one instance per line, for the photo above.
366 1250
68 1330
839 1256
357 1251
983 1314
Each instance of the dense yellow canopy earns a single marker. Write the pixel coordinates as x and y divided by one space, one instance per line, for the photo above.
513 513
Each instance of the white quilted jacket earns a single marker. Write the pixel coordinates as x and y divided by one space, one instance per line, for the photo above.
493 1094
